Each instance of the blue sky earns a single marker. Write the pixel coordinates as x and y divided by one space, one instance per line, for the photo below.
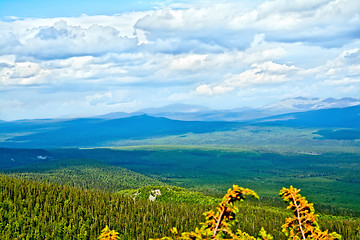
70 8
82 58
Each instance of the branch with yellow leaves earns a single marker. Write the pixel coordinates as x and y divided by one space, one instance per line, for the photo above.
219 225
303 224
107 234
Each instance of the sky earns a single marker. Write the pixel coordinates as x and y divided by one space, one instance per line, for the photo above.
78 58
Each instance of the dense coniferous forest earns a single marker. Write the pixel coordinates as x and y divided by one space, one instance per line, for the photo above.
34 210
37 210
198 168
85 173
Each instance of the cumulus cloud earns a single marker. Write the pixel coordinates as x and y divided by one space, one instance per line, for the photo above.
25 70
190 62
20 73
196 51
228 25
264 73
51 38
63 41
205 89
304 21
341 70
267 73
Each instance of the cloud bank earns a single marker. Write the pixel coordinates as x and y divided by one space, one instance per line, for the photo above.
222 54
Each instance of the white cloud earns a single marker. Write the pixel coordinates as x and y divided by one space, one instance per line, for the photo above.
21 73
231 24
343 69
62 41
7 60
266 73
190 62
25 70
344 81
71 70
203 52
66 37
205 89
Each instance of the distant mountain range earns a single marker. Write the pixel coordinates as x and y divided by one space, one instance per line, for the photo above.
348 117
84 132
187 112
96 131
302 104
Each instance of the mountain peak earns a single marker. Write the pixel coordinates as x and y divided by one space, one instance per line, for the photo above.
188 112
299 104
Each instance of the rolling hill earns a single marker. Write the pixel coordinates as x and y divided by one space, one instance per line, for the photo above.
98 132
85 132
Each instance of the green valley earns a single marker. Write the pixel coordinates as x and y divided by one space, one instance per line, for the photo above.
206 169
167 173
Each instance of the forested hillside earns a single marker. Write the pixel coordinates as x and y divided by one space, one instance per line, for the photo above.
49 211
85 173
197 168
